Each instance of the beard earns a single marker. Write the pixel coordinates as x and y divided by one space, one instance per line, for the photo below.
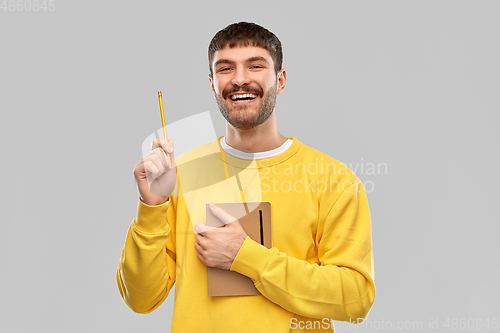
239 117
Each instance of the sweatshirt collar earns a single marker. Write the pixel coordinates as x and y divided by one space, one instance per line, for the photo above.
260 163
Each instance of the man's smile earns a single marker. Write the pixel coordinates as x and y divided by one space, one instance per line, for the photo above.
242 97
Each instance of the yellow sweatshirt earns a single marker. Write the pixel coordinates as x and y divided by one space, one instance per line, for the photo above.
319 269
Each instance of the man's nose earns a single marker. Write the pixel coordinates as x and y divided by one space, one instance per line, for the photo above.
240 77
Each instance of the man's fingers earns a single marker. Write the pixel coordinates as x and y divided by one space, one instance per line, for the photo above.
168 146
151 170
221 214
202 227
159 159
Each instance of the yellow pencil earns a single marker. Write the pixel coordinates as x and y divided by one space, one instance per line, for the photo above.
160 100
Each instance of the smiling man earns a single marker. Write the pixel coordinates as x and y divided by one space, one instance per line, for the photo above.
320 267
249 82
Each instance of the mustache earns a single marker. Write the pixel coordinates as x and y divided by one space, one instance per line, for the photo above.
245 87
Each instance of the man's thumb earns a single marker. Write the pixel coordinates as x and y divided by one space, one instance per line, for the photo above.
202 227
221 214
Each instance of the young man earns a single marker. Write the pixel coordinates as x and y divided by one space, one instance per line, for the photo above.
320 267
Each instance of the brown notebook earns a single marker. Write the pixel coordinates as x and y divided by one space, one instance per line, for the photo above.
256 222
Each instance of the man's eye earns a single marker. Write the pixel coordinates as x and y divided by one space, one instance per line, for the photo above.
256 66
224 69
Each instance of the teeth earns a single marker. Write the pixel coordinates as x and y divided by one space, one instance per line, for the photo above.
235 96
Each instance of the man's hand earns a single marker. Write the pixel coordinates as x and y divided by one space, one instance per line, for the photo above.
217 247
156 174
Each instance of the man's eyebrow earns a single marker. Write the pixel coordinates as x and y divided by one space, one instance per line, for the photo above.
252 59
222 61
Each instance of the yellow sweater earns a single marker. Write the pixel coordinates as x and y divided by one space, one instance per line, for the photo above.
319 269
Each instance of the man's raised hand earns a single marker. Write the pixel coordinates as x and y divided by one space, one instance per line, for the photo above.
156 174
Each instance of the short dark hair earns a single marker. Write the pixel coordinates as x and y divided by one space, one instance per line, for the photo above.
246 34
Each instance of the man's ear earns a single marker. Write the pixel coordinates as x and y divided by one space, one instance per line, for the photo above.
211 84
281 81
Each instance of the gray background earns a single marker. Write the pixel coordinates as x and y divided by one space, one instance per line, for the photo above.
409 84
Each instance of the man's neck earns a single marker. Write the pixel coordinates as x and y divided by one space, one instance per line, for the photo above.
264 137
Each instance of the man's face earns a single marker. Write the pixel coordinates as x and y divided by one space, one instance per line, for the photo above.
245 85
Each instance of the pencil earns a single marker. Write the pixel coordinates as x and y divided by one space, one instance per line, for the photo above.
160 100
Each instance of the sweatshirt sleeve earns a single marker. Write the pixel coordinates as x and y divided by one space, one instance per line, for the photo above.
341 286
146 270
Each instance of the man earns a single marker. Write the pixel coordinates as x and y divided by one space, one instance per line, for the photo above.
320 267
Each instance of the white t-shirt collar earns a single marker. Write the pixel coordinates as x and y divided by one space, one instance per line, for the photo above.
244 155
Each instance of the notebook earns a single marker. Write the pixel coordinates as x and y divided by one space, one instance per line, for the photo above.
256 221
